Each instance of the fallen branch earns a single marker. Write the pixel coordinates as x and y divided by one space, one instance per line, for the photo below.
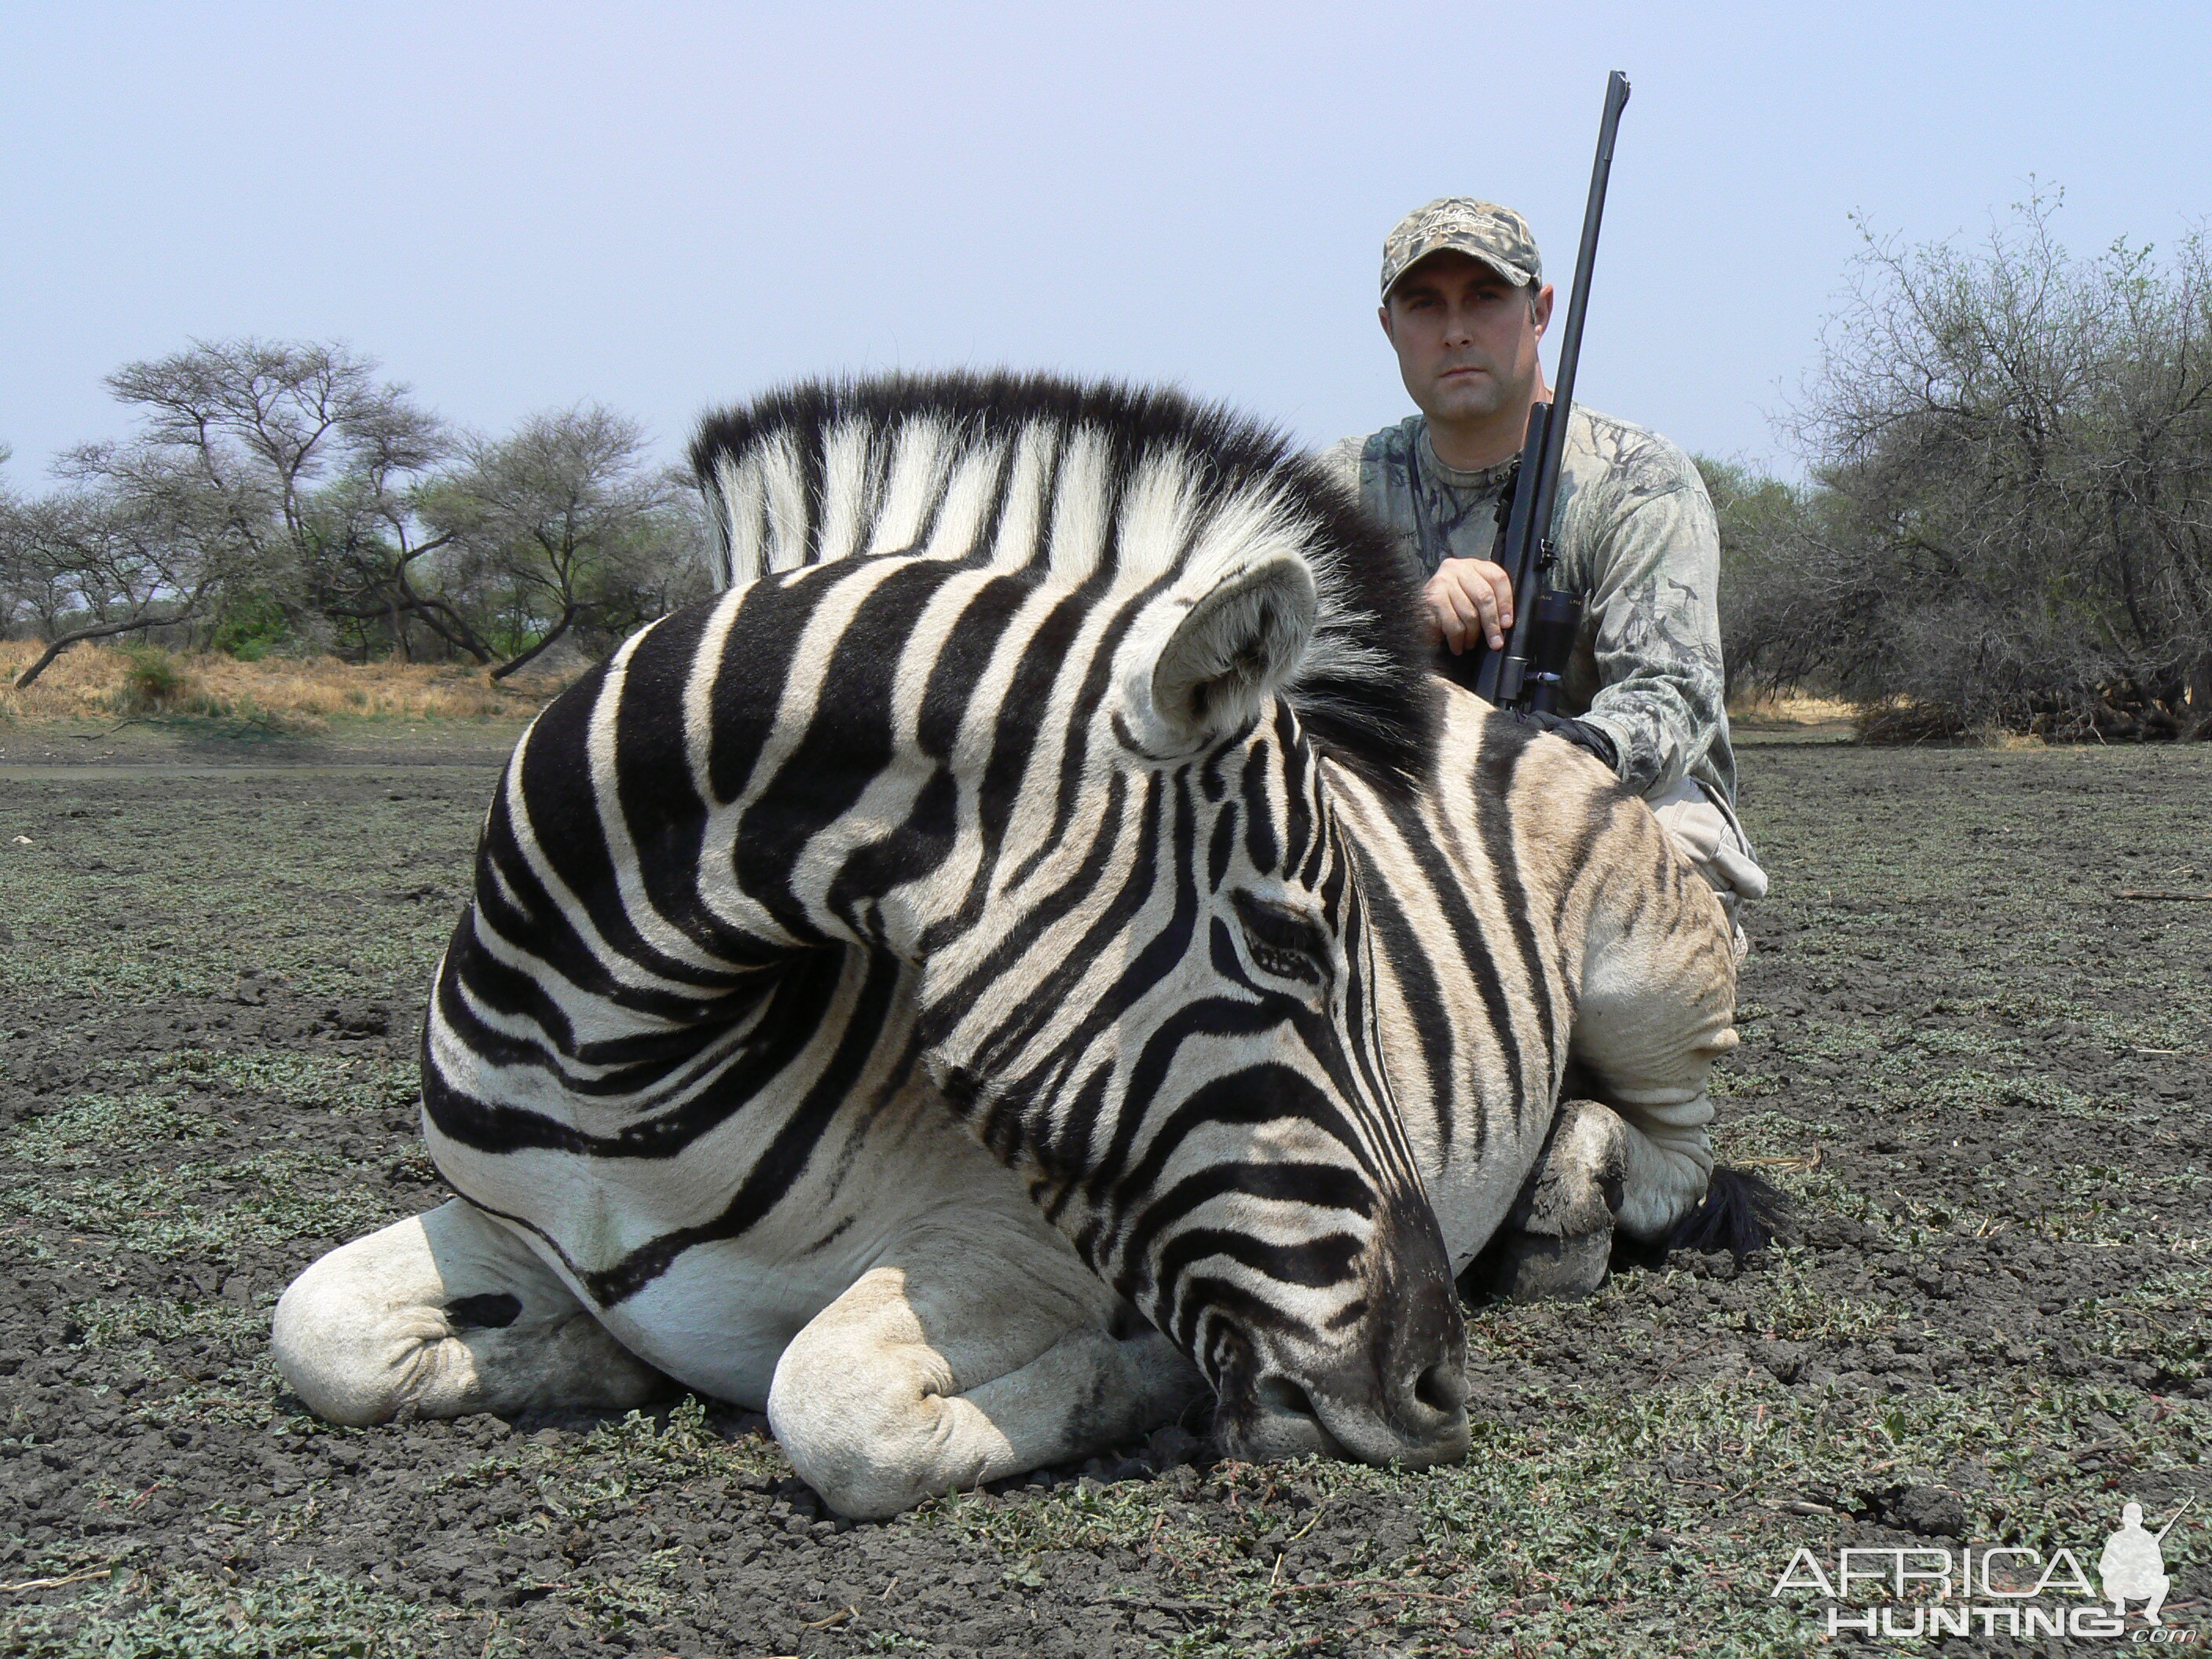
1800 1164
29 1584
2174 894
1367 1587
1806 1506
568 617
97 631
1320 1509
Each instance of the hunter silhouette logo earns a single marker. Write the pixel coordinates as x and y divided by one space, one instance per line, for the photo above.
2133 1565
1991 1589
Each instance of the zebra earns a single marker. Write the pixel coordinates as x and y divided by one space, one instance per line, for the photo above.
1035 951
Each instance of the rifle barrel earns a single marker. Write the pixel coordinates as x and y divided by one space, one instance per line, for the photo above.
1571 338
2159 1535
1526 543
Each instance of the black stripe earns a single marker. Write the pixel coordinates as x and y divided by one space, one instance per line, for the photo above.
1422 995
1075 748
1260 844
1316 1263
780 1165
1223 846
1465 926
1265 1093
1318 1186
662 814
1495 766
1043 999
805 991
756 653
848 742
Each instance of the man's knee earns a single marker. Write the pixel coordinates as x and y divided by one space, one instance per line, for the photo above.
1704 829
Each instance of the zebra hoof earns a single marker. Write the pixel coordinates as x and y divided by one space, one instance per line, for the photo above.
1538 1268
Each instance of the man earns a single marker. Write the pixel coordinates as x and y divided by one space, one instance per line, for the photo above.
1465 306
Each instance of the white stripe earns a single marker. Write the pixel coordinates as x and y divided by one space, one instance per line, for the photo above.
620 967
1156 511
967 498
917 468
1016 543
743 510
1078 511
655 929
846 495
785 499
802 692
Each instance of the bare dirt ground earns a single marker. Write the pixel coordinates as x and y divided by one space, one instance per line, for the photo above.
1977 1061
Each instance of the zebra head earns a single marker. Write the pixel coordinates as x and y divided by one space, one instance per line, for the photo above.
1128 634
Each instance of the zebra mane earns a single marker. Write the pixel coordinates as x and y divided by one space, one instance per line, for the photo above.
1074 478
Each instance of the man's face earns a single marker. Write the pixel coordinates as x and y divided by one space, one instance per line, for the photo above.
1466 337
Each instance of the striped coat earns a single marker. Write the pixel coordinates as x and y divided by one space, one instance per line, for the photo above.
1040 926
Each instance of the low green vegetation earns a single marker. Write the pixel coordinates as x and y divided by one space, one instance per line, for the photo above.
297 1616
1962 1051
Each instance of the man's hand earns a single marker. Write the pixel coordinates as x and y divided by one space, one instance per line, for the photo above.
1580 733
1467 600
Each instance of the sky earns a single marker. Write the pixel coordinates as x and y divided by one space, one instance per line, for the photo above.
668 207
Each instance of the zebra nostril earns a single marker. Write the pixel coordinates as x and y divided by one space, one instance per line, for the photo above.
1441 1389
1281 1393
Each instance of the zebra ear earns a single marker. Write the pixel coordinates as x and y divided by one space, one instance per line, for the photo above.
1230 652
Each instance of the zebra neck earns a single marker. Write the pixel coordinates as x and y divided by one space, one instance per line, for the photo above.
874 754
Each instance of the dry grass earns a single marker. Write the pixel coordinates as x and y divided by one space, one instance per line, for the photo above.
96 682
1791 708
93 682
1996 737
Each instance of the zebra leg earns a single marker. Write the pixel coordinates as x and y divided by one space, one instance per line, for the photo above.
1558 1239
442 1314
924 1379
1656 1009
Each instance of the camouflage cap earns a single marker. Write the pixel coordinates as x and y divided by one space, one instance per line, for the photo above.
1497 235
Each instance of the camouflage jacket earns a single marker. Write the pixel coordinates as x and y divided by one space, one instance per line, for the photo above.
1637 539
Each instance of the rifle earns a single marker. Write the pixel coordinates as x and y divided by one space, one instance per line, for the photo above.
2159 1537
1529 672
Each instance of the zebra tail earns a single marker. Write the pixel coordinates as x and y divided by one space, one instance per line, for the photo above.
1740 1212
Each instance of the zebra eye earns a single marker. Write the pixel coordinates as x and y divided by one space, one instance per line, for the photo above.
1282 941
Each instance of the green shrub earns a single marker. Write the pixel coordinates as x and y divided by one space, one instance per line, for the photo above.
154 681
251 626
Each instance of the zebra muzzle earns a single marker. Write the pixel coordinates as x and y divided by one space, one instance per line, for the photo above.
1394 1391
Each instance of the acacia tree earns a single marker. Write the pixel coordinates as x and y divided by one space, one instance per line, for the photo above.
371 541
286 481
79 567
565 525
1768 591
302 457
99 560
2012 510
40 573
20 586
